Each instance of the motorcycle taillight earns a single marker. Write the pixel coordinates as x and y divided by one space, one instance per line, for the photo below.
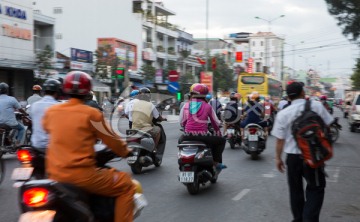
187 159
35 197
24 156
252 131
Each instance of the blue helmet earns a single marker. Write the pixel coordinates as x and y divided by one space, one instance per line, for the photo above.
134 93
208 96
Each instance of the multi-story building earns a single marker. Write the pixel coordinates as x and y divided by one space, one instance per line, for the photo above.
22 35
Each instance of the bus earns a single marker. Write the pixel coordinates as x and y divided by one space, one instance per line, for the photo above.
262 83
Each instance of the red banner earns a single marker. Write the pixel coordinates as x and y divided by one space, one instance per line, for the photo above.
207 79
250 65
239 56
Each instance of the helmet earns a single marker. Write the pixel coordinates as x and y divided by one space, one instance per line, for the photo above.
208 96
254 96
36 88
323 97
235 95
52 85
90 95
77 83
134 93
199 90
4 88
145 94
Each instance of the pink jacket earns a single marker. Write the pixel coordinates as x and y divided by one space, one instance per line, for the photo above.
195 115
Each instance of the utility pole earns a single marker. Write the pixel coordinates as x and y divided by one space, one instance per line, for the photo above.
206 38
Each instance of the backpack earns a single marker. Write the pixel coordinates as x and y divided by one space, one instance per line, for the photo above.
312 137
231 112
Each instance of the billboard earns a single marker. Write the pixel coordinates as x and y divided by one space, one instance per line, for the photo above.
207 79
81 59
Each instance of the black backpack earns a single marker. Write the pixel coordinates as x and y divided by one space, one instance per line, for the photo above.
312 137
231 112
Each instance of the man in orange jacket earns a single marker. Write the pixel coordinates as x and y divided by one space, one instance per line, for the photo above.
74 128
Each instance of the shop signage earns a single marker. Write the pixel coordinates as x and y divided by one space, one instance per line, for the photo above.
207 79
15 32
14 12
81 59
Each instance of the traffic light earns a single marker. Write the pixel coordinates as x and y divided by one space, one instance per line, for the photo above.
120 72
178 96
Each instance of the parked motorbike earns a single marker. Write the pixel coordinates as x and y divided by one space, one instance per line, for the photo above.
47 200
335 128
7 134
233 135
196 165
254 140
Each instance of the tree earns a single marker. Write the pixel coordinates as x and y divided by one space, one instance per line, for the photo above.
348 15
149 72
356 76
44 59
223 76
105 56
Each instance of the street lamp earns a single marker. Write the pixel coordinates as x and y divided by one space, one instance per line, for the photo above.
307 59
269 21
293 55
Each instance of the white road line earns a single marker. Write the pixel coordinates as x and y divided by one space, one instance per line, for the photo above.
241 194
333 177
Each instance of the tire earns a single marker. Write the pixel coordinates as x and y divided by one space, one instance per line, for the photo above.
157 162
334 134
232 143
27 140
352 129
213 181
136 168
254 156
2 169
193 188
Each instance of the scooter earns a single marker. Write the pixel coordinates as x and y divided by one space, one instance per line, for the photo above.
233 135
47 200
254 140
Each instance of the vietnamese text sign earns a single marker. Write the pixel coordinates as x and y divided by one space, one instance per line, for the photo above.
207 79
159 76
250 65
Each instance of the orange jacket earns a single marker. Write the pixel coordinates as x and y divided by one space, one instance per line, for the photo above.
73 129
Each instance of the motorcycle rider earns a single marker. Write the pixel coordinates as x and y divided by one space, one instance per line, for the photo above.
254 113
8 105
36 95
194 119
324 101
208 97
90 102
70 158
282 103
129 106
231 117
144 113
39 138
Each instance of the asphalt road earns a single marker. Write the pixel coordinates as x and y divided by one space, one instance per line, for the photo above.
247 191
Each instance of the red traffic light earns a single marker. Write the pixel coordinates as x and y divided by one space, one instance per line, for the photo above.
120 71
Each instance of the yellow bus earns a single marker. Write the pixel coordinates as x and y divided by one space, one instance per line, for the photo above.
262 83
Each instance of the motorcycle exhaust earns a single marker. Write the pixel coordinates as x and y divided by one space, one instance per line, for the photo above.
205 176
145 161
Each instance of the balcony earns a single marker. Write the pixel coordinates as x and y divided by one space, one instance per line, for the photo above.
147 45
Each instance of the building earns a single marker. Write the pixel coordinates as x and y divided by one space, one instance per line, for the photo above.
22 34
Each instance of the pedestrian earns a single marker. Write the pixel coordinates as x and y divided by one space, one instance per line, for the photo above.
303 209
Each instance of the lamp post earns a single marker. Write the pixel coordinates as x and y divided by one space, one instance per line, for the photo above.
206 36
269 21
293 55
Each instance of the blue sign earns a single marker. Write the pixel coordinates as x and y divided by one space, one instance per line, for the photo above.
79 55
173 87
14 12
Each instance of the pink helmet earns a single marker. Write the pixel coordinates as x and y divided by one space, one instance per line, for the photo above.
199 90
323 97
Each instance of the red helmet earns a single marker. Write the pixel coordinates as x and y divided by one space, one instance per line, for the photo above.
199 89
323 97
77 83
36 88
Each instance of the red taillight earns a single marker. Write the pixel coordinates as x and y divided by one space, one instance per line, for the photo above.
252 131
187 159
35 197
24 156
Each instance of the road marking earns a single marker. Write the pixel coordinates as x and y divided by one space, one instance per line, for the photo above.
334 175
241 194
269 175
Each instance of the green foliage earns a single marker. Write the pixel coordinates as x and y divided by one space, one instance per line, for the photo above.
44 57
149 72
105 56
223 76
348 15
356 76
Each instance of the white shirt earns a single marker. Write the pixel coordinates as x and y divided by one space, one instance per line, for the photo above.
282 103
286 117
33 98
129 109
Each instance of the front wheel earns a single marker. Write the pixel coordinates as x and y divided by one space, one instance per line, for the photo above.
136 168
334 134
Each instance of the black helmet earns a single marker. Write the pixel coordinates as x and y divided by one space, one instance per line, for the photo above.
145 94
52 85
4 88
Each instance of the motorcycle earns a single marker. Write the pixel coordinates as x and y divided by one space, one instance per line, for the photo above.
48 200
233 135
7 134
335 128
254 140
144 150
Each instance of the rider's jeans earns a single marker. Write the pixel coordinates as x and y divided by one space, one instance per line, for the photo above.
21 131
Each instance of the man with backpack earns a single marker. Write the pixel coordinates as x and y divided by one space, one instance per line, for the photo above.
300 129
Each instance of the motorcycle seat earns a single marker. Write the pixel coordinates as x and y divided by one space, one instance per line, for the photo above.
189 142
141 133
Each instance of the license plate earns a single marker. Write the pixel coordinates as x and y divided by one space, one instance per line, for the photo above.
186 177
23 173
230 131
132 159
253 138
38 216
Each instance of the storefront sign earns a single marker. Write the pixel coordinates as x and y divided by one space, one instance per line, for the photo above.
81 59
14 12
15 32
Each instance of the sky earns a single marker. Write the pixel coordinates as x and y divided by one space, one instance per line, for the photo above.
307 27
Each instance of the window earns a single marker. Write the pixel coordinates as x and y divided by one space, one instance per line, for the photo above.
262 43
253 43
58 10
58 36
252 80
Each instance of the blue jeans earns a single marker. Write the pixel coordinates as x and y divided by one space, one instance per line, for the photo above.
21 131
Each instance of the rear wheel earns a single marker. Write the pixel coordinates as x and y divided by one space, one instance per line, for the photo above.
232 143
352 128
334 134
136 168
193 188
27 139
157 162
254 156
213 180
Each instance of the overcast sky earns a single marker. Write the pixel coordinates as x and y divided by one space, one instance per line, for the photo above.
306 21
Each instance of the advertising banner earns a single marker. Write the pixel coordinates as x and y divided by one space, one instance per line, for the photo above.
250 65
207 79
239 56
81 59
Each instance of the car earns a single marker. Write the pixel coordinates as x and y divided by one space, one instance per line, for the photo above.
354 114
